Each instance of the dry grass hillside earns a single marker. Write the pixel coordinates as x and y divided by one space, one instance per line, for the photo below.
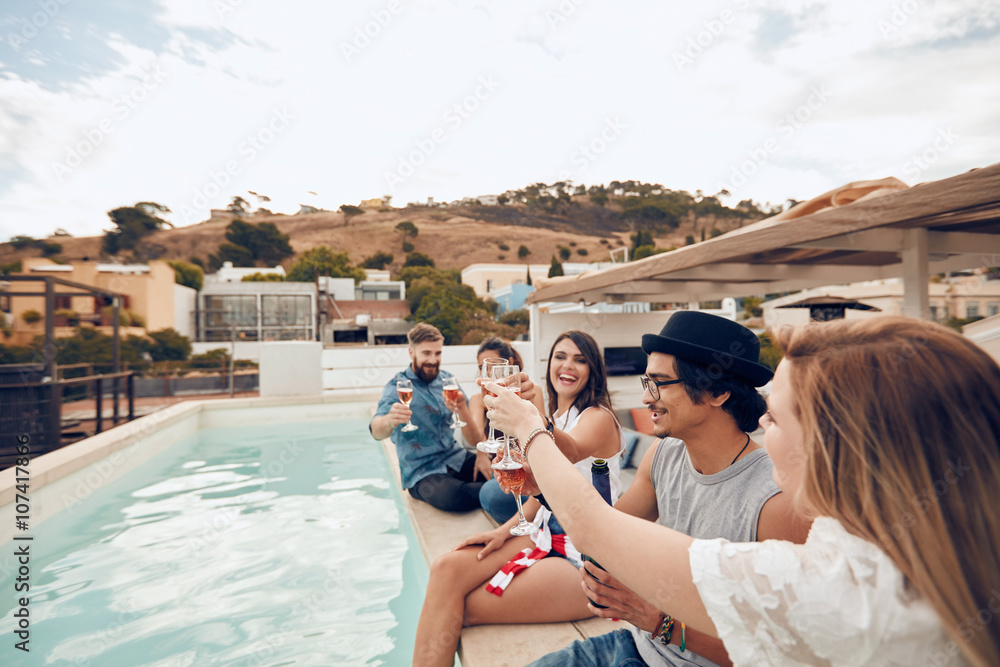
454 237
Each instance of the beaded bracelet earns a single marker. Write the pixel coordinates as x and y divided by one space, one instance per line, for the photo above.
665 629
683 636
530 439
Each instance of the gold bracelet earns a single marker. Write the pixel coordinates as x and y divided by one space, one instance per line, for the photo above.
531 438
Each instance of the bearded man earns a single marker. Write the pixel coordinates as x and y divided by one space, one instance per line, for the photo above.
432 465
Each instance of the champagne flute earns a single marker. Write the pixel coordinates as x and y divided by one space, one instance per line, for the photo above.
452 394
511 380
405 390
513 476
491 445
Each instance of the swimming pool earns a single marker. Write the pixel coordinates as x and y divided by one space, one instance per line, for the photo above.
278 542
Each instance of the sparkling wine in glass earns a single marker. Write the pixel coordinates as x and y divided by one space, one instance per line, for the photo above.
491 445
405 390
452 394
510 377
512 475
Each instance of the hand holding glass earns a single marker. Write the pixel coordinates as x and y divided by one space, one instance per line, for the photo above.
512 474
452 394
491 445
405 390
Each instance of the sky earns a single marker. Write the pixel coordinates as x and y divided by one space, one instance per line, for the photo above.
189 103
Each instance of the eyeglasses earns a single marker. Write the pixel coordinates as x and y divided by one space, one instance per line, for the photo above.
653 386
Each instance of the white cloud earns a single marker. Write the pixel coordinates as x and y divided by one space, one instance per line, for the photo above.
563 70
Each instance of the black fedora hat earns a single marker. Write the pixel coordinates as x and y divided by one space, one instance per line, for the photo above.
712 341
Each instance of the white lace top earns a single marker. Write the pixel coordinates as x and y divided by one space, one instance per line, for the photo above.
836 600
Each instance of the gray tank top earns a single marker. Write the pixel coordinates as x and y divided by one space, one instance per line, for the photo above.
726 504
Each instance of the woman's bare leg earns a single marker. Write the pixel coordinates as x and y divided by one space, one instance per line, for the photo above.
547 592
452 577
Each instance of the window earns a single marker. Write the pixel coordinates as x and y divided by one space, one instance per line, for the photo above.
624 361
285 310
992 308
971 309
934 312
489 285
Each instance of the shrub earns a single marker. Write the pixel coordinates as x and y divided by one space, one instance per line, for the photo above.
31 316
504 246
581 251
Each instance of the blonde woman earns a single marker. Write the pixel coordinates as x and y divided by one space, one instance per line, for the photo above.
888 432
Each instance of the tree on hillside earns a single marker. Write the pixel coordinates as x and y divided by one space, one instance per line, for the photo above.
252 245
418 259
238 205
22 241
323 261
407 228
187 274
556 269
350 211
523 252
379 260
132 224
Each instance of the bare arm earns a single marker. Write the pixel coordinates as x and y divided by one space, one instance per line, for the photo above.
640 497
382 426
596 434
778 520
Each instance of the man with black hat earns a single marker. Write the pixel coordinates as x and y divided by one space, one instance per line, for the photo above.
706 477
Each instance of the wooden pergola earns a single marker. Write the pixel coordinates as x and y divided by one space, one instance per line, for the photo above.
909 233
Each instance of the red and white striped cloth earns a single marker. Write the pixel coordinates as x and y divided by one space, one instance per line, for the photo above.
526 558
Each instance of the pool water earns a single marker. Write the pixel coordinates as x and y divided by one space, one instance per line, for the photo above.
281 545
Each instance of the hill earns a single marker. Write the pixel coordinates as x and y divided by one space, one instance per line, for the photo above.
543 218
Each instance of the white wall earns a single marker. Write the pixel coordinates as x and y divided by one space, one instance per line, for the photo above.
291 368
185 299
365 369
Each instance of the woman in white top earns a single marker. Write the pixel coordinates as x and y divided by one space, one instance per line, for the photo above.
888 431
549 590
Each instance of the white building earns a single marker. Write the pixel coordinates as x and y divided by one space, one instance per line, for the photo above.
234 274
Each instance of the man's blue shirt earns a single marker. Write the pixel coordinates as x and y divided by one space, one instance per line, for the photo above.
432 448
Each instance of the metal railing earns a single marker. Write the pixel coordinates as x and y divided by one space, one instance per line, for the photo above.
34 409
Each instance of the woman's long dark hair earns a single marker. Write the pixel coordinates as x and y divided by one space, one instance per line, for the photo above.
595 392
502 348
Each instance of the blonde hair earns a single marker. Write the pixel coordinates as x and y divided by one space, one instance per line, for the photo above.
422 333
901 429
